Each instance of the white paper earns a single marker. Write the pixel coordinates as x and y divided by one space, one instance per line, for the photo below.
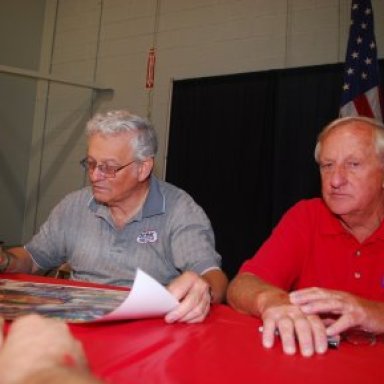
147 298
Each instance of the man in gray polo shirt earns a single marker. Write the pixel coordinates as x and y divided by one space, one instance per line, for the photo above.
126 219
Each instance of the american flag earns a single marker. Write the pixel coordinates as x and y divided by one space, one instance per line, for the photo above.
361 89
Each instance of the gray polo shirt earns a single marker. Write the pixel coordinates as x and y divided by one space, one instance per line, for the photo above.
169 235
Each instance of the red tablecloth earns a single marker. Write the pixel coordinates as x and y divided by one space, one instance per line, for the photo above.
226 348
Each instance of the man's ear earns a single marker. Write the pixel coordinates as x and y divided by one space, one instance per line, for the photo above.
145 169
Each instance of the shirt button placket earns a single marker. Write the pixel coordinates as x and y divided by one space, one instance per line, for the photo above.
357 274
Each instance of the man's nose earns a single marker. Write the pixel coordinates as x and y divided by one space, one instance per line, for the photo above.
95 174
338 176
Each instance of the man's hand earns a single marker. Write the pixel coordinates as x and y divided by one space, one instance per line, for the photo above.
35 344
193 293
293 326
351 311
249 294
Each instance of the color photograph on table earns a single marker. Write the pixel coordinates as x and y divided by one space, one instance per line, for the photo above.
74 304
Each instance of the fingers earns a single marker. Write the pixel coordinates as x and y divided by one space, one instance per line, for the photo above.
307 332
300 322
296 331
334 306
340 325
181 285
319 334
351 311
198 313
193 292
286 329
318 300
306 295
269 333
193 309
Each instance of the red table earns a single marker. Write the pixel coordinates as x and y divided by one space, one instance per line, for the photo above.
226 348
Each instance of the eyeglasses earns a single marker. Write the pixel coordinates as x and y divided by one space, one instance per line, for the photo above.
106 169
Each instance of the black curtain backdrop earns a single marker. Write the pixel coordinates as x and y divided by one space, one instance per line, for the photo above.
242 146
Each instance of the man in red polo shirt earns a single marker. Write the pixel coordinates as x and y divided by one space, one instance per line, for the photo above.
321 272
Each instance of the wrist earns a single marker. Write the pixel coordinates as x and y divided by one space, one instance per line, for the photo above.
5 260
211 295
269 298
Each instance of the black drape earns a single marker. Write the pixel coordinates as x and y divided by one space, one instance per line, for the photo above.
308 99
242 146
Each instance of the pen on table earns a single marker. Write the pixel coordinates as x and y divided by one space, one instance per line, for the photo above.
333 341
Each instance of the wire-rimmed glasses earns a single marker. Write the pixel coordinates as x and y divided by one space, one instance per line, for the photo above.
106 169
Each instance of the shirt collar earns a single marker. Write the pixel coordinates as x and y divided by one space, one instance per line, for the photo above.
153 205
380 231
155 202
331 225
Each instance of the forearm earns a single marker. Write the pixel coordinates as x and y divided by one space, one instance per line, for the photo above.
218 283
251 295
15 260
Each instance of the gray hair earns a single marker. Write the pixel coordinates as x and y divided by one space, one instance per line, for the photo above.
121 121
377 127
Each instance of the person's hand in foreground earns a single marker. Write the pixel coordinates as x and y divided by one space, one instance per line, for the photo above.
41 350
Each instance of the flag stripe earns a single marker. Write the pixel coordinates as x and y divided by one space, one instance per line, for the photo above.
373 96
362 105
348 109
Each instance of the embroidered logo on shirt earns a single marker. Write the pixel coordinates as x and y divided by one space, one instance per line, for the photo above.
147 237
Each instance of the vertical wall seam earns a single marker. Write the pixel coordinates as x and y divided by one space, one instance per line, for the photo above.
287 32
42 147
155 33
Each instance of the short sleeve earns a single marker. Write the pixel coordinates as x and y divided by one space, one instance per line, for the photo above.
280 259
192 240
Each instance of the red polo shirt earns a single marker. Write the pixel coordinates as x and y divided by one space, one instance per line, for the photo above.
310 248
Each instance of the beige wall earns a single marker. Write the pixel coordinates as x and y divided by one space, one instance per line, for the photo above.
107 42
